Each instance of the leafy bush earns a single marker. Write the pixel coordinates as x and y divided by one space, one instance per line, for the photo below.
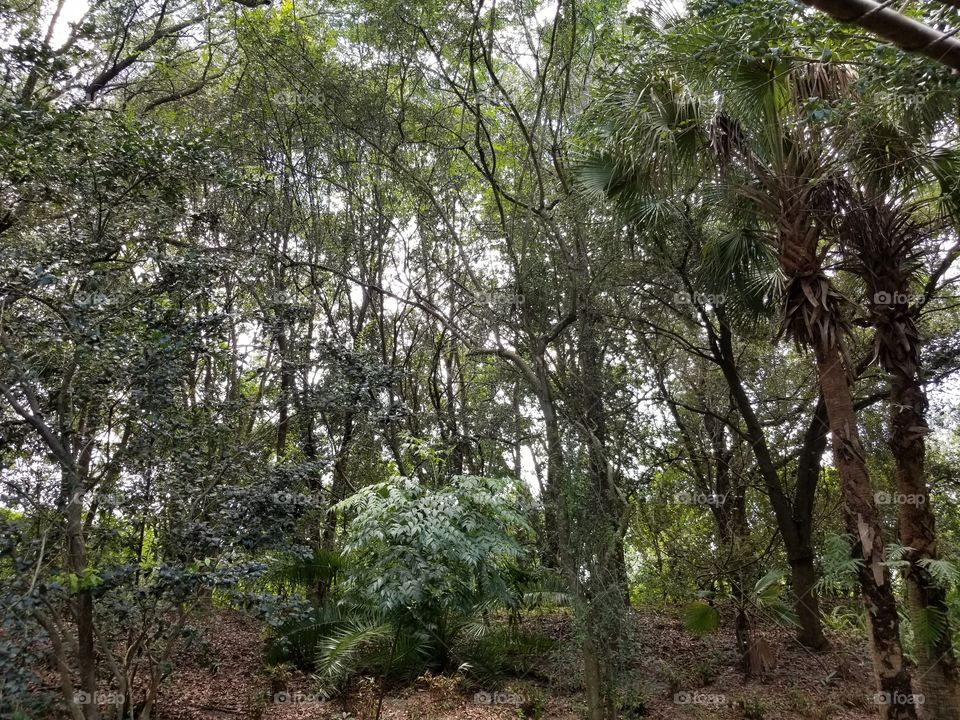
423 578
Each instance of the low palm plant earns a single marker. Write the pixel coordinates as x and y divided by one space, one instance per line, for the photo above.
429 579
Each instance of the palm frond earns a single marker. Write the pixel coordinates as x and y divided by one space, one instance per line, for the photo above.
341 652
305 573
700 618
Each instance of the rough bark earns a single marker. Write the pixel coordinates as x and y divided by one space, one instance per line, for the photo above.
885 247
863 525
937 674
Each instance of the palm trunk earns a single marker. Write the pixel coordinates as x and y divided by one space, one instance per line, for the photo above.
886 247
863 525
937 673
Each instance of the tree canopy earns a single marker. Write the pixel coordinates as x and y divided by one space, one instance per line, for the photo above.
404 330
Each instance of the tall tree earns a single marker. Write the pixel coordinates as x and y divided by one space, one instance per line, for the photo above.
773 165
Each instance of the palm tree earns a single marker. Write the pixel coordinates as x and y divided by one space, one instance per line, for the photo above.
884 246
695 111
886 232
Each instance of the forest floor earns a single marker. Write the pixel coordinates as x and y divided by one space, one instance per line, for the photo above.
676 676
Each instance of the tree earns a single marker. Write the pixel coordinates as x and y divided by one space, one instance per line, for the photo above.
768 155
890 244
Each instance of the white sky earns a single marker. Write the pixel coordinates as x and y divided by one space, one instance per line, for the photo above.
72 11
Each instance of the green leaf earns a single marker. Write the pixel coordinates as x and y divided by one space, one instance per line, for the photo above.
700 618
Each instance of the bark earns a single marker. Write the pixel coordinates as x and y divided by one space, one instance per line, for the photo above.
609 595
552 506
610 506
794 520
592 681
801 555
83 602
803 577
863 525
904 32
885 248
340 483
286 393
937 673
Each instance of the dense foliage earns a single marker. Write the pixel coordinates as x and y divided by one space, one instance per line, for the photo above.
388 323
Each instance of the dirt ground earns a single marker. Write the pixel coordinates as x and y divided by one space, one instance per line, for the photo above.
676 676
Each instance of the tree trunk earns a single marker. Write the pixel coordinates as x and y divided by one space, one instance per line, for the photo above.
803 578
83 602
795 521
801 555
863 525
885 248
937 673
592 680
553 510
286 392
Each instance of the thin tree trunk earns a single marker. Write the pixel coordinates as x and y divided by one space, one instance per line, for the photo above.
609 593
553 510
794 521
801 556
592 680
286 393
83 602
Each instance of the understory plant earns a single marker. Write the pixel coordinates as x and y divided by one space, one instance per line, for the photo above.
432 578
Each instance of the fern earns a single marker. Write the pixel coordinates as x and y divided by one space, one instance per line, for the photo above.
840 568
895 556
943 572
929 626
